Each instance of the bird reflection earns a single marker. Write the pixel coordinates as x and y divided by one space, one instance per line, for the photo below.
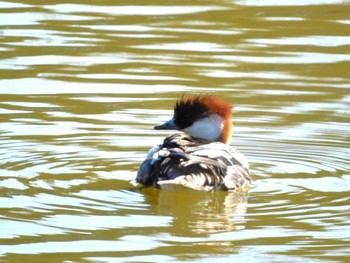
199 212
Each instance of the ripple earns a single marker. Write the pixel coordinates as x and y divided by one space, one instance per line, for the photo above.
123 199
79 246
131 9
323 184
323 41
296 159
95 222
12 229
43 86
83 86
289 58
289 3
188 46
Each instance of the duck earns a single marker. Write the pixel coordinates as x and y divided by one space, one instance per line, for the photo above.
199 156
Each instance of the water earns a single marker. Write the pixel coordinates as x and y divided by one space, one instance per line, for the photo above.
82 84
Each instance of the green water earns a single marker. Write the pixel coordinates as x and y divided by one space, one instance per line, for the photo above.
83 83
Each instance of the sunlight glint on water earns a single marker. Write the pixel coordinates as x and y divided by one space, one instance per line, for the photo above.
83 84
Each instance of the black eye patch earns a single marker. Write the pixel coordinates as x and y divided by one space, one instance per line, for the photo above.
187 112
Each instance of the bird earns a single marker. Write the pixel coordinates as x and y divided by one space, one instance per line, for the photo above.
199 157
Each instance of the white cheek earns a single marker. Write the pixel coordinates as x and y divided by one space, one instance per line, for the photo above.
208 128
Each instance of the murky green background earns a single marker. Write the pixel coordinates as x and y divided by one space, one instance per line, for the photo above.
83 83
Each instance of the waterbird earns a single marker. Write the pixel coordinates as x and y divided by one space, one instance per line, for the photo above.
200 157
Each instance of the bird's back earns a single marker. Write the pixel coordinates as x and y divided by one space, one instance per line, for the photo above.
182 161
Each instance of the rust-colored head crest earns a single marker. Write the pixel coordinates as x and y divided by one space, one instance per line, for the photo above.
187 110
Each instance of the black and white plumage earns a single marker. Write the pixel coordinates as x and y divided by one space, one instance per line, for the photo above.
202 159
184 161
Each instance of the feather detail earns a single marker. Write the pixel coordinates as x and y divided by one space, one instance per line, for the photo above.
197 164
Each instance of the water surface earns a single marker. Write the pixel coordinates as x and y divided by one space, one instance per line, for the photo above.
82 84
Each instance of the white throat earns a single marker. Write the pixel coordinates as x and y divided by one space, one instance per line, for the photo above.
209 128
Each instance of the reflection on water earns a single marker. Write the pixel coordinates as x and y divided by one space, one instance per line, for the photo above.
198 212
82 84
